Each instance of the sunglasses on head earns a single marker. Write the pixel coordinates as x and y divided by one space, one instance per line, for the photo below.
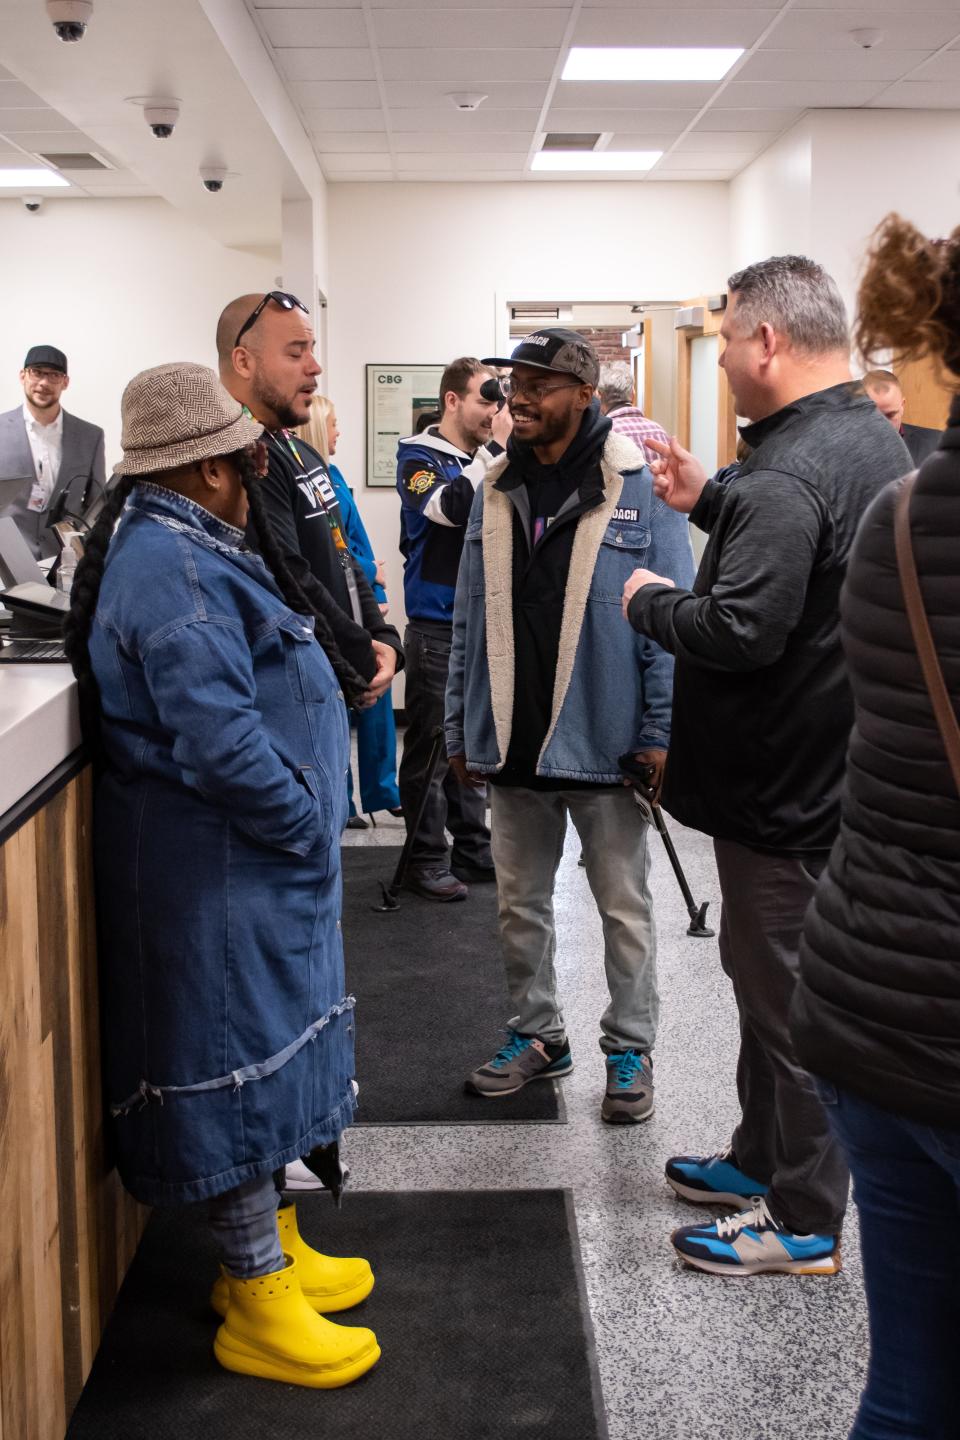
281 298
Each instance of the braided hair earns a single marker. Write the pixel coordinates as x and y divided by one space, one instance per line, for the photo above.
89 576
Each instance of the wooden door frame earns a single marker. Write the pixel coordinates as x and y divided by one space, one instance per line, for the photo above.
726 415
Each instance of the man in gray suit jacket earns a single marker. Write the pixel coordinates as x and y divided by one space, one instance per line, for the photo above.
57 458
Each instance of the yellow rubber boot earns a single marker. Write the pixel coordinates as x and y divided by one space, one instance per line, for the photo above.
272 1331
328 1283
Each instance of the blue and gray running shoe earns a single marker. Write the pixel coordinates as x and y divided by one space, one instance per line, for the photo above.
629 1093
522 1059
711 1179
754 1243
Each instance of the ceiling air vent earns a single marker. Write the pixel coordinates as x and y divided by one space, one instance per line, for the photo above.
77 160
558 141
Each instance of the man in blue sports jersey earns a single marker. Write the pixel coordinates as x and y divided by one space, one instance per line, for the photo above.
438 473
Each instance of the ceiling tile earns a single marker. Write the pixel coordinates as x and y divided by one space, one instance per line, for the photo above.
346 178
314 27
709 161
627 140
707 5
468 67
473 122
14 96
54 142
407 94
312 64
440 142
328 122
332 65
726 142
351 142
632 94
944 67
674 26
828 28
806 94
268 5
684 176
42 121
883 63
332 162
479 160
732 120
469 29
915 95
561 119
347 94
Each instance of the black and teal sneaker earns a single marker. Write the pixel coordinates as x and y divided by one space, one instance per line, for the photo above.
711 1179
522 1059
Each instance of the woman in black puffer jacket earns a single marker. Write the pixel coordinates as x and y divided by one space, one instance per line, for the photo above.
877 1012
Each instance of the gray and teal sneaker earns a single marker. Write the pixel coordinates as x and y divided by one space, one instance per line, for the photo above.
522 1059
629 1093
754 1243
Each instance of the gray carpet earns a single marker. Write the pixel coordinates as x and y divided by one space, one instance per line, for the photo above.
478 1308
431 1003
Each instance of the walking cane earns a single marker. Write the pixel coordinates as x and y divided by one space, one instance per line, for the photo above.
390 892
698 913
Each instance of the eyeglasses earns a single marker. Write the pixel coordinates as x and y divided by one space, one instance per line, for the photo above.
281 298
42 373
537 390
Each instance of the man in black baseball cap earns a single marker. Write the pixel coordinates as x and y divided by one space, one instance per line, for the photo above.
544 698
57 458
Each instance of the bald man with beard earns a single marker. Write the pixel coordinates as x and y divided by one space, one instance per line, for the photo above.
265 345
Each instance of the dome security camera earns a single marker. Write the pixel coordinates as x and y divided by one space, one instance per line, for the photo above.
867 39
32 203
70 18
213 177
161 116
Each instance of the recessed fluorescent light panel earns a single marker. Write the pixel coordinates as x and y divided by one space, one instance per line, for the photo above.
20 179
595 160
635 63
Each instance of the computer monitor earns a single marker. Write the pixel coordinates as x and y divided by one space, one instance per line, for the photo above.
17 565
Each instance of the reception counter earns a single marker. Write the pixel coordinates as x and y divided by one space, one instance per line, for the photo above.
67 1229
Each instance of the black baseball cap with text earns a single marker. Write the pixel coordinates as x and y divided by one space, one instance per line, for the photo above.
564 351
47 355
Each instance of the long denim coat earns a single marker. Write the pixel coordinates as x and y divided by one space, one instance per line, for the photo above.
228 1035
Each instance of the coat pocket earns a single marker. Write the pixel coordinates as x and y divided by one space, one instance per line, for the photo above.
622 550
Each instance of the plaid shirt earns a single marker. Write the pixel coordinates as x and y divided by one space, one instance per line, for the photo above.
633 423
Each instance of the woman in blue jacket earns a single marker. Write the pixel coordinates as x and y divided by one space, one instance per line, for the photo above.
376 731
220 734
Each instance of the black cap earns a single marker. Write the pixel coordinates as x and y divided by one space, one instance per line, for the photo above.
564 351
46 355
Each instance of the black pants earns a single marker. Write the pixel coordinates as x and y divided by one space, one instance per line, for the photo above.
450 805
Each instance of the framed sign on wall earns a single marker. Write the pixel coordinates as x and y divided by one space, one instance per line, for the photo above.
397 395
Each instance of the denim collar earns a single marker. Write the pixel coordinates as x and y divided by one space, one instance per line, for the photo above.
149 496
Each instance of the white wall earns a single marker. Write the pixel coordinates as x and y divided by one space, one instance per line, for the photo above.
422 273
770 201
119 285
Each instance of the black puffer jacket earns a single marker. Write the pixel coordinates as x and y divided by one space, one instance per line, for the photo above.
878 1005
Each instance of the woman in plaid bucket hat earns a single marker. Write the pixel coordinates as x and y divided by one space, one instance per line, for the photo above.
219 733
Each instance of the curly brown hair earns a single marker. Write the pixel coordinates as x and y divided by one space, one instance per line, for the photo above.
909 299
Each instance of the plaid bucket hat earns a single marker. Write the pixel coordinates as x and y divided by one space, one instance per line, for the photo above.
178 414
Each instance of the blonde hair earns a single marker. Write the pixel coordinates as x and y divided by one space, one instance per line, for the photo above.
315 429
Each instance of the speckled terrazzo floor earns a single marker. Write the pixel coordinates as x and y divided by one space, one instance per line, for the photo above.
681 1354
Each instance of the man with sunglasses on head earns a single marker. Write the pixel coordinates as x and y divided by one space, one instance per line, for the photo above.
265 345
438 472
545 698
57 458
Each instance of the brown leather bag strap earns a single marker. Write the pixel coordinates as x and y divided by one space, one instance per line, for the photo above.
920 628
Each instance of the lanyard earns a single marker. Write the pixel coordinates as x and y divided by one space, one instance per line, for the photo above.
336 530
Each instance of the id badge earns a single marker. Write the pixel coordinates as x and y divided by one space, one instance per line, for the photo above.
38 497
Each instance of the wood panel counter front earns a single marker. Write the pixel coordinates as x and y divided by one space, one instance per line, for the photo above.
67 1229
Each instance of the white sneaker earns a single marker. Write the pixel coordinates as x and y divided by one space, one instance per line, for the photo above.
298 1177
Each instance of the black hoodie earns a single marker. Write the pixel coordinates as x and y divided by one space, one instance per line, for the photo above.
548 500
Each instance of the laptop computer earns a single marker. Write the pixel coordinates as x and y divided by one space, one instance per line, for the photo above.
37 609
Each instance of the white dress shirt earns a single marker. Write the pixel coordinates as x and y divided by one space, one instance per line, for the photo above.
46 446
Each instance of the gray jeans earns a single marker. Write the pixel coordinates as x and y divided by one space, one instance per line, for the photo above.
529 827
244 1221
783 1137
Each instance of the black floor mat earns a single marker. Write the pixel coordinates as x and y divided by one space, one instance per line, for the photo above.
478 1307
432 1003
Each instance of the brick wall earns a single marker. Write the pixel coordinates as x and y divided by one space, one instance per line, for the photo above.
605 339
